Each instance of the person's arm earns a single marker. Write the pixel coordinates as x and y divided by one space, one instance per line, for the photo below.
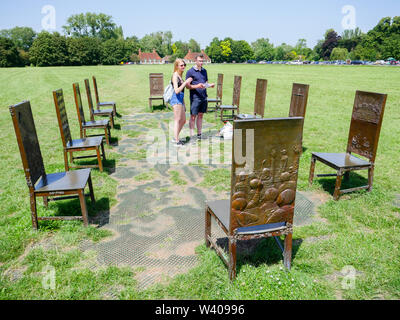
184 84
193 86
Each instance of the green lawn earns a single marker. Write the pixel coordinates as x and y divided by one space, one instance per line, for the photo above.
361 230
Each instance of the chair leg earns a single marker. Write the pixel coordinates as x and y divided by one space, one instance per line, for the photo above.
66 161
370 178
112 121
208 227
102 151
91 189
115 110
34 211
150 106
46 201
84 210
312 169
232 258
339 178
287 253
107 137
99 159
71 157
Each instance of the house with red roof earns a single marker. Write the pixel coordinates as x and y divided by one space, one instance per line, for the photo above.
150 57
191 57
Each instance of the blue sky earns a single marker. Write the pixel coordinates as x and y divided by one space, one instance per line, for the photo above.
280 21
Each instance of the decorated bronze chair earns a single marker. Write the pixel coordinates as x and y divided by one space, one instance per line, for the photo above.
156 88
89 125
298 104
54 186
263 186
103 104
70 146
218 100
365 127
234 108
259 101
104 112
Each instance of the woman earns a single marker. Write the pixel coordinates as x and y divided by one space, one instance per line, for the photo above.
177 100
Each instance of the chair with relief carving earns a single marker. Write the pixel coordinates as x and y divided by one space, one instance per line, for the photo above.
263 186
89 125
97 112
233 110
156 88
259 101
103 104
76 145
54 186
365 127
218 100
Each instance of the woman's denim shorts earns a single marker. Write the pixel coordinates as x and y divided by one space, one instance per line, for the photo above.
177 98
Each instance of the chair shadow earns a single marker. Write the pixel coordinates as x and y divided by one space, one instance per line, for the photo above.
117 126
109 165
114 141
258 251
354 180
160 107
118 115
98 211
305 149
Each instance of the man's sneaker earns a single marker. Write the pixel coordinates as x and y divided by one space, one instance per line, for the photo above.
178 144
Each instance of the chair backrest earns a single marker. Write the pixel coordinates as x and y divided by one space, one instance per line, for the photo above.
96 92
237 85
78 104
264 182
261 95
366 123
156 84
220 84
28 143
62 117
298 104
89 97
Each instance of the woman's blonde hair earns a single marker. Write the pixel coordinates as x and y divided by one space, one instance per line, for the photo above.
177 63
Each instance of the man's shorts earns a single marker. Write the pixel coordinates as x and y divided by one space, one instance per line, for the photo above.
198 106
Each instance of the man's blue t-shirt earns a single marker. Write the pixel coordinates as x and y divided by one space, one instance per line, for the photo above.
198 77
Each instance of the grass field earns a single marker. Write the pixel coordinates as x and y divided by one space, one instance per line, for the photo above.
361 230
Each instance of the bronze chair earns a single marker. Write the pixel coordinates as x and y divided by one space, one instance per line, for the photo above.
103 104
105 112
259 101
218 100
263 187
234 108
298 104
68 185
89 125
70 146
156 88
363 140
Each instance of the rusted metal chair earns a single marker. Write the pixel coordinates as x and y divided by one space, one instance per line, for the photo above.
89 125
259 101
68 185
104 112
363 140
156 88
70 146
234 108
103 104
263 187
298 104
218 100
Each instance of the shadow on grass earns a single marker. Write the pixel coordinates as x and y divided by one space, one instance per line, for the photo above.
109 165
258 251
117 126
354 180
159 107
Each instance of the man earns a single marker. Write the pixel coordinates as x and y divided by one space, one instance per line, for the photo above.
198 95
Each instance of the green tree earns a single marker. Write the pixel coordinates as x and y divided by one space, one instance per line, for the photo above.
214 51
226 50
263 49
339 54
331 42
115 51
84 51
49 49
22 37
160 41
241 51
9 55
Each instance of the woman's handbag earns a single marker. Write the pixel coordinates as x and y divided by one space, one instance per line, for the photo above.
168 92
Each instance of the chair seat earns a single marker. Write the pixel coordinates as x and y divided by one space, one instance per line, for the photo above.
156 97
341 160
102 104
247 116
221 209
102 112
228 107
98 123
85 142
64 181
213 100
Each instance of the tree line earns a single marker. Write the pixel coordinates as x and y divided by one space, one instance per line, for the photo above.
92 39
